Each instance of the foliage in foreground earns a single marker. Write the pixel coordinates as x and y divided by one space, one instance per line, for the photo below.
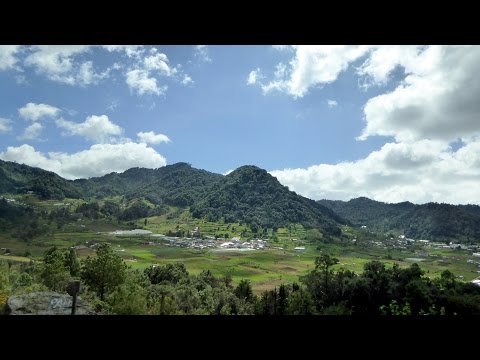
114 288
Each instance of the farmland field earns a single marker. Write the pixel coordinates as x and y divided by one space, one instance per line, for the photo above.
266 268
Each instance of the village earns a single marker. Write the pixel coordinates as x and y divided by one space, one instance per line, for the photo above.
193 242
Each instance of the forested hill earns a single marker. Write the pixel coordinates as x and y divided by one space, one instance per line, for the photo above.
19 178
375 215
178 184
250 194
427 221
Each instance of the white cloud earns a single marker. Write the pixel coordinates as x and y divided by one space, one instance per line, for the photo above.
35 112
7 56
57 62
98 160
187 80
438 98
202 53
420 172
129 50
159 62
434 103
332 103
313 66
140 82
31 132
384 59
86 75
152 138
96 128
254 76
143 77
5 125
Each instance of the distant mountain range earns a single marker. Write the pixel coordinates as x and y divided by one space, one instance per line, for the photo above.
250 195
426 221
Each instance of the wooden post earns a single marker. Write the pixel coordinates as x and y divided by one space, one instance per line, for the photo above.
73 290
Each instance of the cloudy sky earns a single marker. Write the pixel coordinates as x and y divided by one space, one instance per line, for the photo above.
393 123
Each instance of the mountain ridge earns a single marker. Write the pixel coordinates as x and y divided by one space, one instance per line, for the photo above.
436 221
248 194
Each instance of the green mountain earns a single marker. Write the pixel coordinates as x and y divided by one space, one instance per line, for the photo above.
19 178
427 221
248 195
179 184
251 195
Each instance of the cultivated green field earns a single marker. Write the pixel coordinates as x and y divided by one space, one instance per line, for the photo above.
267 268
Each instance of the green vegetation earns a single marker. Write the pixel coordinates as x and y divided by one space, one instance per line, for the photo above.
251 195
114 288
431 221
178 184
16 178
46 243
105 272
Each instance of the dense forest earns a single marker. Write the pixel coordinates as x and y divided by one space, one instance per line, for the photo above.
427 221
17 178
178 184
250 194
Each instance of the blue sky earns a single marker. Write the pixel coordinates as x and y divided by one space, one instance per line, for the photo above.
393 123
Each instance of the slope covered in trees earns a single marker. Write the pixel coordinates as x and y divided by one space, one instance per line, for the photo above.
250 194
178 184
427 221
19 178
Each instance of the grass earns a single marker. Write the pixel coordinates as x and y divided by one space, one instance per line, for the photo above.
15 258
265 268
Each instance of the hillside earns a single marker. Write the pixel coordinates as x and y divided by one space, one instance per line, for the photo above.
427 221
19 178
178 184
250 194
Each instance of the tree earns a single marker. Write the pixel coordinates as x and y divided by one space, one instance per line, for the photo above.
300 302
105 272
170 273
313 235
130 298
55 274
244 290
323 263
72 263
282 300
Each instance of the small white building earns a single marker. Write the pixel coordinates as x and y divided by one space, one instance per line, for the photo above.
299 248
